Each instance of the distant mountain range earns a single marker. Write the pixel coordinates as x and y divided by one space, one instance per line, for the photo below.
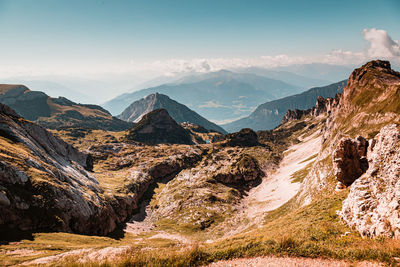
180 113
269 115
56 113
218 96
319 71
286 76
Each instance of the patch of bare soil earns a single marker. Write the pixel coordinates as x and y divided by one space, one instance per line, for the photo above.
291 262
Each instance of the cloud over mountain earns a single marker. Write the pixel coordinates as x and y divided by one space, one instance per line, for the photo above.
381 44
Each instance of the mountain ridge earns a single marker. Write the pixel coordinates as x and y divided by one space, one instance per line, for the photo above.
56 113
269 115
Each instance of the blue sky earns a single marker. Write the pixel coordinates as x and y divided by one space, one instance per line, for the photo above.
93 35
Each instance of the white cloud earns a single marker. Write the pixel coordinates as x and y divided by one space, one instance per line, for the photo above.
381 45
341 57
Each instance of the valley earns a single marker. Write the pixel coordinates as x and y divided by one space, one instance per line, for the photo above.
169 193
199 133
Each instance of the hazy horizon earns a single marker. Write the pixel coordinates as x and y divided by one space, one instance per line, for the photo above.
111 47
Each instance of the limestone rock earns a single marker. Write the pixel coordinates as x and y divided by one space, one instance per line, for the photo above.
369 101
45 185
372 206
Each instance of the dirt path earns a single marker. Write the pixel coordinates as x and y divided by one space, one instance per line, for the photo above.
277 188
291 262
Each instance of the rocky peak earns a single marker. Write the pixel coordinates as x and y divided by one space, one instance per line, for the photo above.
381 66
369 82
158 127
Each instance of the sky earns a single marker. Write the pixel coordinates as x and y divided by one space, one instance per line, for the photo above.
148 38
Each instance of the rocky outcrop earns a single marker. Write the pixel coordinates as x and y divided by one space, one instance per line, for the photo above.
372 206
245 138
242 170
58 113
369 102
367 79
179 112
323 106
294 115
208 194
37 168
157 127
350 159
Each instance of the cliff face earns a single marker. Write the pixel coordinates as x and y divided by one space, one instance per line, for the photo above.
36 169
371 100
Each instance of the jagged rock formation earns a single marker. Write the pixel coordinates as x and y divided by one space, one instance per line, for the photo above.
157 127
350 159
269 115
180 113
372 206
369 102
296 114
323 106
56 113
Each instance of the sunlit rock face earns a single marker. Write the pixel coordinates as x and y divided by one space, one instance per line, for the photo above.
372 206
